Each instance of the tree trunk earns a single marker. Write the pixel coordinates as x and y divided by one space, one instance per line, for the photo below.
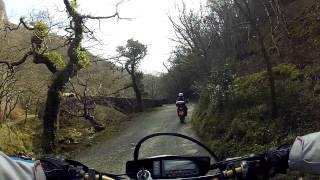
26 115
37 109
137 92
49 119
266 57
51 113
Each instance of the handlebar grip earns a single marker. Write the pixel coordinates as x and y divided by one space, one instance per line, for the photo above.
230 173
87 177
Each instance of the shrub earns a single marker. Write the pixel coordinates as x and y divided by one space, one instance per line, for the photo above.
17 113
219 88
69 135
246 125
15 141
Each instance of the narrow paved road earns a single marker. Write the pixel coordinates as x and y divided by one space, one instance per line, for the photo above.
112 153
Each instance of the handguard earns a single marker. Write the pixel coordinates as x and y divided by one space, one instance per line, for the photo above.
19 169
305 154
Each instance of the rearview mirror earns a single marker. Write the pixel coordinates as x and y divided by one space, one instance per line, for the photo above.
169 167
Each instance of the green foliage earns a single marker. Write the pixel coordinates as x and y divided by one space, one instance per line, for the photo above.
246 125
253 89
14 141
134 52
74 4
281 71
57 59
83 57
41 30
69 135
139 80
219 86
250 89
287 71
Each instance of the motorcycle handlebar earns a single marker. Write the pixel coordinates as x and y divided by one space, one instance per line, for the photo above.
251 166
248 167
243 167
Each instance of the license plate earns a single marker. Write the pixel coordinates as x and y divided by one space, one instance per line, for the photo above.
181 113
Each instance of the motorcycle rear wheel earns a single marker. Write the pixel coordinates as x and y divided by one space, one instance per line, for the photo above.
182 118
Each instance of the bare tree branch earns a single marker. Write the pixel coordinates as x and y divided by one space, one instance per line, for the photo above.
21 22
119 90
17 63
116 14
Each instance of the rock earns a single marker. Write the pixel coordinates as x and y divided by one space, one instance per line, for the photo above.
3 13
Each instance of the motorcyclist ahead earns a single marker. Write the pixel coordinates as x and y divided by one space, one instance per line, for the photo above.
181 100
181 97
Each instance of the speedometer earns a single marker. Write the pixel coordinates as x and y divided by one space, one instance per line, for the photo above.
169 167
179 168
156 168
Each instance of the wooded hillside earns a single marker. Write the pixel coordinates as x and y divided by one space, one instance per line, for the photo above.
28 51
254 65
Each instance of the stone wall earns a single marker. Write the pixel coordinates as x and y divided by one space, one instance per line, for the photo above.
127 105
124 105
